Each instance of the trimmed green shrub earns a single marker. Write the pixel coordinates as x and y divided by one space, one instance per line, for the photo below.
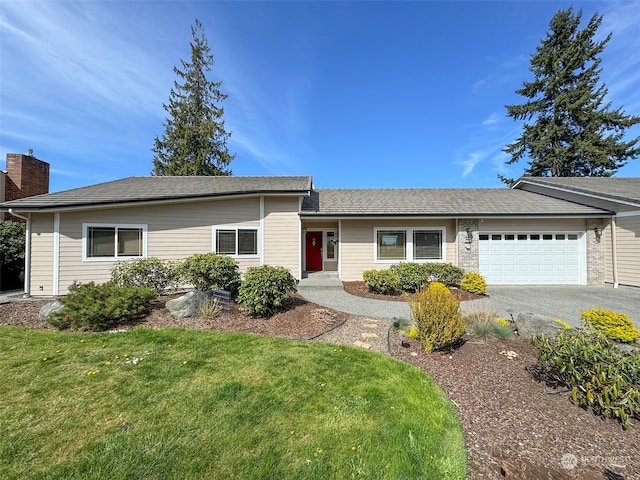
265 289
385 281
148 272
444 272
206 271
474 283
600 375
100 306
436 315
411 276
615 326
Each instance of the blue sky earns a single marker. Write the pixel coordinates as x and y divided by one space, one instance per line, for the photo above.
356 94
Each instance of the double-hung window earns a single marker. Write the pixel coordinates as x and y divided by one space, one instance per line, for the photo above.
409 244
235 241
109 242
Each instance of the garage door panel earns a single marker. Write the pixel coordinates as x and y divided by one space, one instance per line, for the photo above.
534 258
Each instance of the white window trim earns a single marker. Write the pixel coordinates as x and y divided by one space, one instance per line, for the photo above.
258 231
409 244
85 230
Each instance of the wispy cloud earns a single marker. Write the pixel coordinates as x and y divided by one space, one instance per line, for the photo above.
492 119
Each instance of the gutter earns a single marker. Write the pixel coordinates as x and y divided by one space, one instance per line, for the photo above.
27 252
614 251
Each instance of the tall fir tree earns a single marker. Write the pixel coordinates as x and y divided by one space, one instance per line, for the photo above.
569 129
195 140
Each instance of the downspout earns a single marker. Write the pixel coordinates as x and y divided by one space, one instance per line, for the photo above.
27 252
614 251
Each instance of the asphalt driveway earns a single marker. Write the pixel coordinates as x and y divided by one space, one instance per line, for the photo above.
561 301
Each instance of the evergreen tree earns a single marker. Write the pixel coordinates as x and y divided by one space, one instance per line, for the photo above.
569 130
195 140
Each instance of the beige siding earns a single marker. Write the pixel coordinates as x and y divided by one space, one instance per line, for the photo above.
174 231
41 254
357 243
628 251
282 233
532 225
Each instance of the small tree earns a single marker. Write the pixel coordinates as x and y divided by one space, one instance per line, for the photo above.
569 129
195 139
12 246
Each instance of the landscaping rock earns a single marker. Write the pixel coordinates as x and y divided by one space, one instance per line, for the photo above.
187 305
530 324
46 310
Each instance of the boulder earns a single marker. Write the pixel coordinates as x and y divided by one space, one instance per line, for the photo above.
530 324
46 310
187 305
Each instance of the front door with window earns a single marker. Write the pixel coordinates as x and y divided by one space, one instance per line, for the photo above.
314 251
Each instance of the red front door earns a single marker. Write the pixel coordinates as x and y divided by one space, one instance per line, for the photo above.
314 251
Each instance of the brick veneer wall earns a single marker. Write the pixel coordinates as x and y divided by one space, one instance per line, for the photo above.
595 252
468 251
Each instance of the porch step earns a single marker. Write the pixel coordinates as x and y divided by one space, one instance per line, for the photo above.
320 279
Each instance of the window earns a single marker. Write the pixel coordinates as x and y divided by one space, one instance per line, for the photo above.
392 245
427 245
331 245
236 241
409 244
107 242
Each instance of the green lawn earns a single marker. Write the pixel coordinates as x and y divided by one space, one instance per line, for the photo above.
180 404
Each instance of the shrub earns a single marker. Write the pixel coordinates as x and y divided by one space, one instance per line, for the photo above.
207 271
600 375
562 323
474 283
385 282
210 308
436 315
148 272
100 306
265 289
615 326
444 272
411 276
502 321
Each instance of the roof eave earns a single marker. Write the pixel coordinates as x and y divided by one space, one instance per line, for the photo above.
160 201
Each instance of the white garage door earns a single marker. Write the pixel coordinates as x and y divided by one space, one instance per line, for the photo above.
529 258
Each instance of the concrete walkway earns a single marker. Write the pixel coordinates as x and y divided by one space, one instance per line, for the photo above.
326 289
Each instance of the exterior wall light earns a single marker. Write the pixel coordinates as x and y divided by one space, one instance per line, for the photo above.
598 233
469 239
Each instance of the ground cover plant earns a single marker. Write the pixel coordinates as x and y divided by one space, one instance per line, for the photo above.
182 404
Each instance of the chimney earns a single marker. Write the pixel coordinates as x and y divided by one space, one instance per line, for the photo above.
26 176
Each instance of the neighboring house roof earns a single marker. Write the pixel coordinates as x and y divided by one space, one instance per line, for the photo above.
626 189
150 189
442 202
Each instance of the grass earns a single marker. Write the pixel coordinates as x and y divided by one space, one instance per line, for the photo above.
180 404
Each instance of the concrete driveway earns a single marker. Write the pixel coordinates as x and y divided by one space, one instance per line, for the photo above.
560 301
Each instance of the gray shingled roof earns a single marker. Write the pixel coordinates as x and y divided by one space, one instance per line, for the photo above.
443 202
616 188
144 189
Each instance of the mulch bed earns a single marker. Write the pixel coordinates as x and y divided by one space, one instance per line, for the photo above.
516 427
